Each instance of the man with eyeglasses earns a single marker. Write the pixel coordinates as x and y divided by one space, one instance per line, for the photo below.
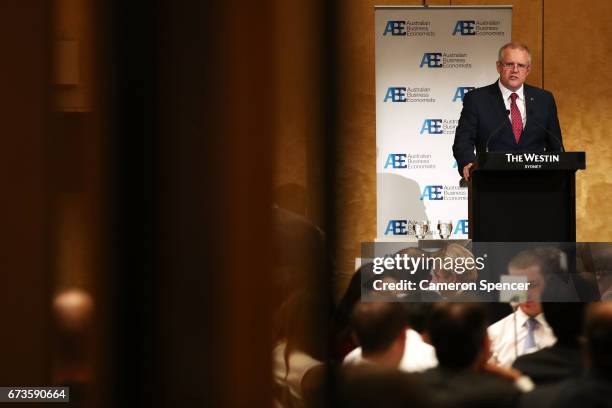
507 116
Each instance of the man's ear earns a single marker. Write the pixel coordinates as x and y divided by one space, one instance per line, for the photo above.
403 333
487 353
400 341
354 338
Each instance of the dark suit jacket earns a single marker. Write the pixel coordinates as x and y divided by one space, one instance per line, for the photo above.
468 389
484 115
587 391
551 364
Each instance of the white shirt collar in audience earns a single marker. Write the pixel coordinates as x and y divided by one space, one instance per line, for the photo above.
501 334
418 355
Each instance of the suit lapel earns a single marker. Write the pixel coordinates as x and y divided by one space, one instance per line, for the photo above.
529 104
498 101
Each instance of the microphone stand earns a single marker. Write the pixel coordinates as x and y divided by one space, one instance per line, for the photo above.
515 305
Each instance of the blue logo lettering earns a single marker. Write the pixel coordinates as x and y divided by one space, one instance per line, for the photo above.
395 28
465 27
432 60
432 126
461 91
396 227
396 161
461 227
395 94
433 193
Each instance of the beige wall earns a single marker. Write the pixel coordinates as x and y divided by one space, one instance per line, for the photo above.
577 41
578 44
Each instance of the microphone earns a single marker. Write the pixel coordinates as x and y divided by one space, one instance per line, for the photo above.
557 139
496 131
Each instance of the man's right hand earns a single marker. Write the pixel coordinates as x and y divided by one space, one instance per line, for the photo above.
467 171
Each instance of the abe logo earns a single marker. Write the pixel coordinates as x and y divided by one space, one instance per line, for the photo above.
431 60
461 91
432 127
396 161
465 27
433 193
395 28
461 227
397 227
395 94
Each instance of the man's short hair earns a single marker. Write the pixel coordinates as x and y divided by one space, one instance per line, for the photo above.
418 315
513 46
378 324
457 332
598 337
548 259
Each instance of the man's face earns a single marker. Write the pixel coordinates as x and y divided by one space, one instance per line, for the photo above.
513 68
532 306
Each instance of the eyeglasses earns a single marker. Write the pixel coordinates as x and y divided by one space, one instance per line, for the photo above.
511 65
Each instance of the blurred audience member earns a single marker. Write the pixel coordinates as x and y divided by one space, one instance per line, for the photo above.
594 388
301 260
343 339
73 367
380 329
458 331
563 359
418 354
526 330
379 387
298 358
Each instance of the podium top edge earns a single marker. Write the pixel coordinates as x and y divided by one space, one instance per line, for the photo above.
572 152
496 7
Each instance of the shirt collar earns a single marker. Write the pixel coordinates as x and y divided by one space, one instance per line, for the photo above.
507 92
522 317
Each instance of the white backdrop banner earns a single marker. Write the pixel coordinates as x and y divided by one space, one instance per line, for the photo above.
427 59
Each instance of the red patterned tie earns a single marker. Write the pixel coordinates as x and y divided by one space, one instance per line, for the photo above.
517 120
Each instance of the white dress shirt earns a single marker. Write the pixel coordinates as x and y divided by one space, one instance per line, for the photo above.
501 334
520 101
418 355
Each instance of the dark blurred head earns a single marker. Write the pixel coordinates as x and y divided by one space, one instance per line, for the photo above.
300 260
367 386
565 318
303 322
458 332
378 324
598 338
418 315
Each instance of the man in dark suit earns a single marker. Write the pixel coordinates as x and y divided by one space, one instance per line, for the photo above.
594 388
563 359
507 116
